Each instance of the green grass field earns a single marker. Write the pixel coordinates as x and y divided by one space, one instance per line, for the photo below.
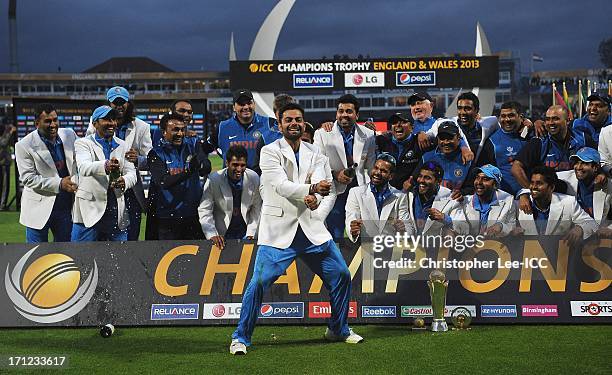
290 349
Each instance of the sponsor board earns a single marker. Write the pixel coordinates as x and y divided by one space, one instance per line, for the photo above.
415 78
498 311
313 80
323 310
282 310
591 308
168 311
539 310
364 79
378 311
221 310
425 310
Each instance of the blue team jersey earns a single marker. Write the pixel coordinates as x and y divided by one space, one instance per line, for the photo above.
455 172
505 147
232 132
584 126
423 126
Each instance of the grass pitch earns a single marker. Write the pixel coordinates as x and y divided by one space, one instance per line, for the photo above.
281 350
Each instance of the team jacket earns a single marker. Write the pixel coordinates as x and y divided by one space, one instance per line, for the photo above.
588 130
406 162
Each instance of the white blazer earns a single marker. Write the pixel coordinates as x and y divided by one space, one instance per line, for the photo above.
138 137
331 145
442 202
605 147
564 212
602 198
217 203
361 204
283 188
466 219
38 173
90 199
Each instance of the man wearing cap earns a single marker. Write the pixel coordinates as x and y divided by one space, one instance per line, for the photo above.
421 107
105 173
594 199
429 203
502 146
176 164
554 213
377 207
554 151
245 127
402 143
137 136
448 155
490 211
45 160
596 119
351 150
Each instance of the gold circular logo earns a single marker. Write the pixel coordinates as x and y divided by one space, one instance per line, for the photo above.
51 280
253 68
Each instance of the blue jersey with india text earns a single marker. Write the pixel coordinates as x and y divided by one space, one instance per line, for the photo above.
232 132
455 172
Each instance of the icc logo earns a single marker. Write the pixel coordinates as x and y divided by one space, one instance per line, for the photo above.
458 172
510 150
50 289
262 68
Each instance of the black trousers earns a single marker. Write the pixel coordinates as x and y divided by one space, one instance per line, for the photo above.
5 184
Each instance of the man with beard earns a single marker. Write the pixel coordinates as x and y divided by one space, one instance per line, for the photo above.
594 199
429 203
137 135
490 211
45 160
351 150
596 119
183 108
105 174
293 177
176 164
402 143
554 151
231 206
554 213
245 127
501 147
377 208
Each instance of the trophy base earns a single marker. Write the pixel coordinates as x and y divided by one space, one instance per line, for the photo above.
439 325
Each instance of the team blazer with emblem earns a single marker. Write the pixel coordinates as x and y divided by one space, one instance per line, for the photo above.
283 188
90 198
217 203
564 212
138 137
466 219
38 173
331 145
602 198
442 202
361 204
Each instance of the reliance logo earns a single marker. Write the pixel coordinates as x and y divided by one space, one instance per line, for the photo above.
313 80
175 311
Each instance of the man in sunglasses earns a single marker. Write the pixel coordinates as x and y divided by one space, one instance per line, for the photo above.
137 136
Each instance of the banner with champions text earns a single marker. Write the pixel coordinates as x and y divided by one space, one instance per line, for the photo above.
527 280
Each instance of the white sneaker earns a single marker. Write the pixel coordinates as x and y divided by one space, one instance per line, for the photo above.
352 338
237 348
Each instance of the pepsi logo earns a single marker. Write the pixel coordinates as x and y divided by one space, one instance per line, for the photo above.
218 311
266 310
404 78
357 79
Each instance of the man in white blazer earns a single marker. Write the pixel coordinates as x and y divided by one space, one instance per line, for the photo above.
554 213
45 160
430 204
377 208
104 174
293 182
490 211
595 200
231 206
351 150
137 136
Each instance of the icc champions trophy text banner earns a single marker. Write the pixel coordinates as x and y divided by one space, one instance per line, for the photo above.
192 283
402 73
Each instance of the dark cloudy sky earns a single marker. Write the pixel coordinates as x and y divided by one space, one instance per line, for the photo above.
194 34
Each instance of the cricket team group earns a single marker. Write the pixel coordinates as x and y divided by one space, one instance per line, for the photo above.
299 192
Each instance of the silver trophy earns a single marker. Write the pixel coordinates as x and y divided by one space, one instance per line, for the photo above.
437 290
